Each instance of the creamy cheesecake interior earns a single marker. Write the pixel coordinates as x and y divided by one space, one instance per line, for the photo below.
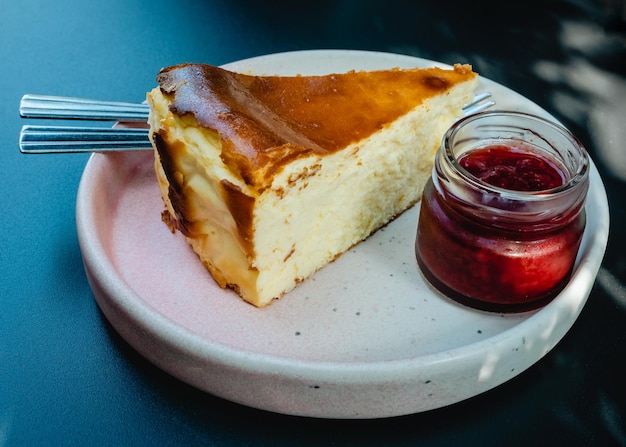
271 178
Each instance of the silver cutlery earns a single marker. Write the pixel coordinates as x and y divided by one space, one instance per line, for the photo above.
37 139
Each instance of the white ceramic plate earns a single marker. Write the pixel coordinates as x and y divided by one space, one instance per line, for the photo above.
364 338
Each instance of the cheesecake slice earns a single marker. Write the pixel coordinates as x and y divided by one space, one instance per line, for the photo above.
270 178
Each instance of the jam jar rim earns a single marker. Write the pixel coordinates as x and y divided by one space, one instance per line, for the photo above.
581 175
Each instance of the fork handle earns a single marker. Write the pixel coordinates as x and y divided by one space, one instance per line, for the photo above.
61 107
55 139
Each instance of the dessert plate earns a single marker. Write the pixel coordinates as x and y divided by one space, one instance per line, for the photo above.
365 337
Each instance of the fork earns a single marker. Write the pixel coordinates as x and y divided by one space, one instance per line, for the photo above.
35 139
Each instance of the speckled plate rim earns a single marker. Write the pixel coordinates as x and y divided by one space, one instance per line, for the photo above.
336 389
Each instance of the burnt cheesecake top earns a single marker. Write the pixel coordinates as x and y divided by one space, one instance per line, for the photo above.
265 122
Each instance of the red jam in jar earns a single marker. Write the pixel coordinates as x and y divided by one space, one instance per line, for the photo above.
502 216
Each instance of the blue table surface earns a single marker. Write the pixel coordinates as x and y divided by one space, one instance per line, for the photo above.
66 377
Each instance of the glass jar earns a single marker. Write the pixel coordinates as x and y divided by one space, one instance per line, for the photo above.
503 248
